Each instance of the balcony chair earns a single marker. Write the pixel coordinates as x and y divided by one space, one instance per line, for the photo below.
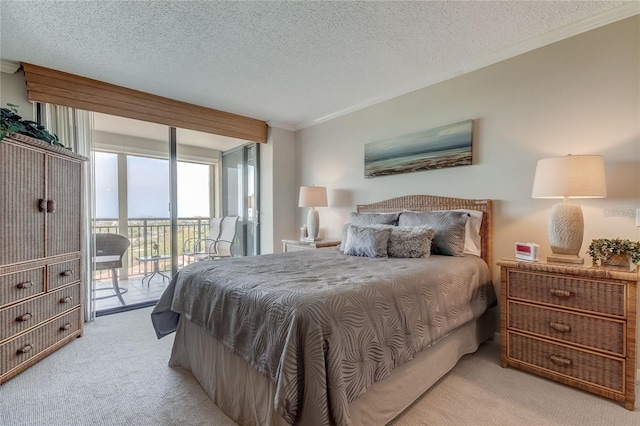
109 250
200 247
218 244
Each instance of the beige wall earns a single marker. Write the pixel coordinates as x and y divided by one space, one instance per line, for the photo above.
578 96
278 190
13 90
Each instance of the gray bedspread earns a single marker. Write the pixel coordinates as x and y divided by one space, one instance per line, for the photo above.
322 325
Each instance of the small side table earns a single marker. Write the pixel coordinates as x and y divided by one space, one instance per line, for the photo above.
156 267
297 245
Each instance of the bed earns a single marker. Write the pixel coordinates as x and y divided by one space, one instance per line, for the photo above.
296 338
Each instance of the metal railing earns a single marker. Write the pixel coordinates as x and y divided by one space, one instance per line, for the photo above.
150 237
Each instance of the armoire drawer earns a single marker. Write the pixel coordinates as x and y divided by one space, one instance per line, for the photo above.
22 316
24 347
64 273
21 285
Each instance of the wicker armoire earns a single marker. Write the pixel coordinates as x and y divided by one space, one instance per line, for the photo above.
41 251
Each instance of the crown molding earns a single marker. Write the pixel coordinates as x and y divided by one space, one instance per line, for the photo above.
624 11
281 125
9 67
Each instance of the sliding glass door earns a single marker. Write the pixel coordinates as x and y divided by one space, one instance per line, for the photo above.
159 187
240 196
131 188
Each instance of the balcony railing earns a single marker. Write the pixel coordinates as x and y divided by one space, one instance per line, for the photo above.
151 236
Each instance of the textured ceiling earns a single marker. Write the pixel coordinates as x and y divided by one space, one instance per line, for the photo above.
292 63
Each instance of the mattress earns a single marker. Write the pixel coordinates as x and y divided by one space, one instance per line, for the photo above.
248 397
324 327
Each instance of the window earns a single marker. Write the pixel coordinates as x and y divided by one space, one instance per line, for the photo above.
106 185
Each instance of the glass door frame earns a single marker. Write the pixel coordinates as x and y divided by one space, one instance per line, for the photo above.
173 198
244 196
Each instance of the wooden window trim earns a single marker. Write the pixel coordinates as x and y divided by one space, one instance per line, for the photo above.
60 88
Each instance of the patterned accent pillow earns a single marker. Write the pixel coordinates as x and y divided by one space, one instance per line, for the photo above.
368 219
410 241
449 227
367 241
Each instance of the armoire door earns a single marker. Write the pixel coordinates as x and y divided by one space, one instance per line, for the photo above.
22 186
64 208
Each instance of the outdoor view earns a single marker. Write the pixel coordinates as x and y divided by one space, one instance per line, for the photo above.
145 218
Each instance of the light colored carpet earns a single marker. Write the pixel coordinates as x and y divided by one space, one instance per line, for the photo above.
117 374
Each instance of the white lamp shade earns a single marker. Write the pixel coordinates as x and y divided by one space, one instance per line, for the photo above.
572 176
313 196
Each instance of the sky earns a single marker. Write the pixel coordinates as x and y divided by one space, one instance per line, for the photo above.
148 187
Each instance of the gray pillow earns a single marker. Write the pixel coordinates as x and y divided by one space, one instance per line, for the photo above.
374 218
368 219
448 226
410 241
366 241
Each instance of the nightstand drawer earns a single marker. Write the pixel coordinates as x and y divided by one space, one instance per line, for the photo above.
566 291
296 245
590 331
292 247
585 366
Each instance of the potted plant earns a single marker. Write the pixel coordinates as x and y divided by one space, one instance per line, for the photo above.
614 252
11 122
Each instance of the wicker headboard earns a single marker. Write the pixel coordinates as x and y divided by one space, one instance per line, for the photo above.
425 203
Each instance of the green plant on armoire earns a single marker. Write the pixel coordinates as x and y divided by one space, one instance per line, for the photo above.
11 122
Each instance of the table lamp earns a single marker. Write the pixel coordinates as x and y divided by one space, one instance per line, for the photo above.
572 176
313 196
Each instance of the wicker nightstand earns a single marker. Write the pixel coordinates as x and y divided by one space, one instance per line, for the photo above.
297 245
572 324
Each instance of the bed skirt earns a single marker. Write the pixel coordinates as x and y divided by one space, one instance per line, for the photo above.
247 396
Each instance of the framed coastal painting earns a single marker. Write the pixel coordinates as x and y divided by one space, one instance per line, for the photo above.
445 146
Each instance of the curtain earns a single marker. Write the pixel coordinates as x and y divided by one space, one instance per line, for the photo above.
74 129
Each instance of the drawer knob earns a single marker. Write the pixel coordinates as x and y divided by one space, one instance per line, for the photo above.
67 299
558 326
42 205
560 293
65 326
26 348
66 273
51 206
26 284
564 362
24 317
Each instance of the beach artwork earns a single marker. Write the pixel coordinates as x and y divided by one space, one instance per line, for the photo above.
446 146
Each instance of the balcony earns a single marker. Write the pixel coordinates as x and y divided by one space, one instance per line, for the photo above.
148 237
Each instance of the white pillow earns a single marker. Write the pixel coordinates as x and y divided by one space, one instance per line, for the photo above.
472 240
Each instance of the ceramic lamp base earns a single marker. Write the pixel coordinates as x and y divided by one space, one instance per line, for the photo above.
566 228
313 224
565 258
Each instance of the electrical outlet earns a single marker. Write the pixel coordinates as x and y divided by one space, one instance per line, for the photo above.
637 217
